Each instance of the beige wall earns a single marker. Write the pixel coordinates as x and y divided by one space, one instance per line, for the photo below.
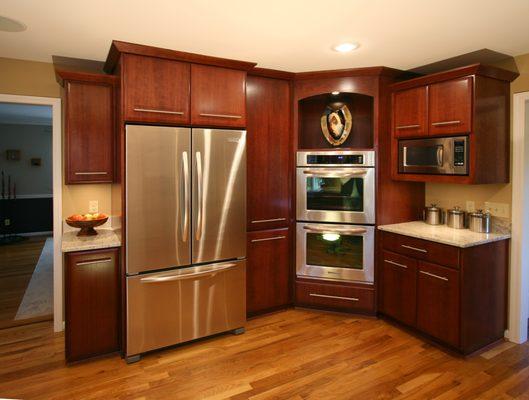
32 78
451 195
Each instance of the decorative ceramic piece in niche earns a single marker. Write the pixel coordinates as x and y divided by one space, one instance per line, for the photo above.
336 123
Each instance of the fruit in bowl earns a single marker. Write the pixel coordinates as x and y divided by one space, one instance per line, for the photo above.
86 222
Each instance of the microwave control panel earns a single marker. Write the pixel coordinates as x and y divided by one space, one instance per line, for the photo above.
459 153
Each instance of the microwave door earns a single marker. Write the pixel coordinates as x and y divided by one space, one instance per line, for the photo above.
430 158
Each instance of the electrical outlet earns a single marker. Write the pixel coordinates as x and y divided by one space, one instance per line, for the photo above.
471 206
93 206
7 222
497 209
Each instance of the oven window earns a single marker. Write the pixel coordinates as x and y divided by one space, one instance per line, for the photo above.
335 250
335 194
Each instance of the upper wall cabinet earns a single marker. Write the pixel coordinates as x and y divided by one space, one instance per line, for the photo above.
409 112
89 126
218 96
155 90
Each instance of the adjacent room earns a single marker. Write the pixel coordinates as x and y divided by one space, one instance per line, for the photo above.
264 200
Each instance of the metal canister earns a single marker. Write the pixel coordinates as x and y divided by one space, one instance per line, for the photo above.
479 221
433 215
456 218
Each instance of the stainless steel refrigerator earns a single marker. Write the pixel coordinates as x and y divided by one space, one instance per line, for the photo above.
185 234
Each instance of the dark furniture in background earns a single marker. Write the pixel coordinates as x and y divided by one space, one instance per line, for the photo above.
27 215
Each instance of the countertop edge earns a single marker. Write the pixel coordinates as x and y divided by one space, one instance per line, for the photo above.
108 238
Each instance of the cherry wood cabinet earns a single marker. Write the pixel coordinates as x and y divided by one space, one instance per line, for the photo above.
218 96
268 272
462 306
92 303
155 90
268 150
410 112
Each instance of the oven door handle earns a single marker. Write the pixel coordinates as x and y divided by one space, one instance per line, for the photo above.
336 174
325 230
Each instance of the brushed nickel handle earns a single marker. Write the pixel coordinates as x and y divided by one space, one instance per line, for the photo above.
185 165
407 126
327 230
92 173
220 115
270 238
434 276
180 277
336 174
198 158
414 248
151 110
442 123
440 152
100 261
395 263
333 297
260 221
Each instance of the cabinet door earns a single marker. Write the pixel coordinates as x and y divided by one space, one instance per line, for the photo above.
268 104
89 132
268 272
410 113
92 303
399 287
218 96
450 107
155 90
438 302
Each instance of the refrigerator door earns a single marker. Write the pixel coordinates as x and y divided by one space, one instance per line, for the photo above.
158 198
219 195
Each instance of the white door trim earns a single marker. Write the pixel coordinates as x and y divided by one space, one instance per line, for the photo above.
55 103
519 271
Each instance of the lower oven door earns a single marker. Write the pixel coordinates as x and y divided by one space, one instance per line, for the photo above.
329 251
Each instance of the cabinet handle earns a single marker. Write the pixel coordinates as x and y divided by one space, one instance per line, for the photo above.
414 248
397 264
221 115
149 110
270 238
407 126
101 261
260 221
92 173
446 123
434 276
333 297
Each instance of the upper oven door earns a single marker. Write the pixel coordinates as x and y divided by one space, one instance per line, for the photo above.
344 195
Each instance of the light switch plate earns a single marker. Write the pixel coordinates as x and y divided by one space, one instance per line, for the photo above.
497 209
471 206
93 206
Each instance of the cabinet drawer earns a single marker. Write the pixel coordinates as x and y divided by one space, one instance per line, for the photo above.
422 249
337 297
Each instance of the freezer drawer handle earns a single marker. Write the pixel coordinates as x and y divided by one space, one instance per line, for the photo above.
434 276
414 248
260 221
150 110
331 230
180 277
91 262
270 238
334 297
395 263
221 115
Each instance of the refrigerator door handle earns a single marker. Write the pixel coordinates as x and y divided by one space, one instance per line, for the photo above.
185 165
198 233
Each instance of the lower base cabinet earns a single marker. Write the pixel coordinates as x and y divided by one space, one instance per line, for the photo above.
92 303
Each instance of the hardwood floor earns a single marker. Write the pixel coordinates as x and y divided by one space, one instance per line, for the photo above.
294 354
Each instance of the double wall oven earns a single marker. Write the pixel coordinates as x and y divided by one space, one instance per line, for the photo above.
335 212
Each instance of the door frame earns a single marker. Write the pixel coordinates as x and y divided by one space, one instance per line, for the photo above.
519 266
55 103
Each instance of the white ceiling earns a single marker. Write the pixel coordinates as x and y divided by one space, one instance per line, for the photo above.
25 114
293 35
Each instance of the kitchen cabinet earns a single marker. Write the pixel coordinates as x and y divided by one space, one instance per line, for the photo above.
268 272
410 112
268 149
218 96
89 128
155 90
92 303
459 301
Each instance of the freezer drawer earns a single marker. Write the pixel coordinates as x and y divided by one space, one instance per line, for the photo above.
180 305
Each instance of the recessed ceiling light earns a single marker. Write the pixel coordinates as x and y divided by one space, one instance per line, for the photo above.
345 47
11 25
335 93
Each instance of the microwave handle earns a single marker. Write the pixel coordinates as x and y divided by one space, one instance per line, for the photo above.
440 152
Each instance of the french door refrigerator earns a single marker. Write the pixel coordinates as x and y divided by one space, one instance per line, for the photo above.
185 234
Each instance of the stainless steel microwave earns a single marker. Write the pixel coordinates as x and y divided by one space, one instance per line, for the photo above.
439 156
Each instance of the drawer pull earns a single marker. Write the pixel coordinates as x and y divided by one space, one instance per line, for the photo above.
397 264
270 238
434 276
221 116
150 110
92 173
446 123
333 297
414 248
260 221
407 126
101 261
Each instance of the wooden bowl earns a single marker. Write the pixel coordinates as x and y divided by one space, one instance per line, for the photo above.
87 227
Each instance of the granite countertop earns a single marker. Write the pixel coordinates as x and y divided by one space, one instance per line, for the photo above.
443 234
104 239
